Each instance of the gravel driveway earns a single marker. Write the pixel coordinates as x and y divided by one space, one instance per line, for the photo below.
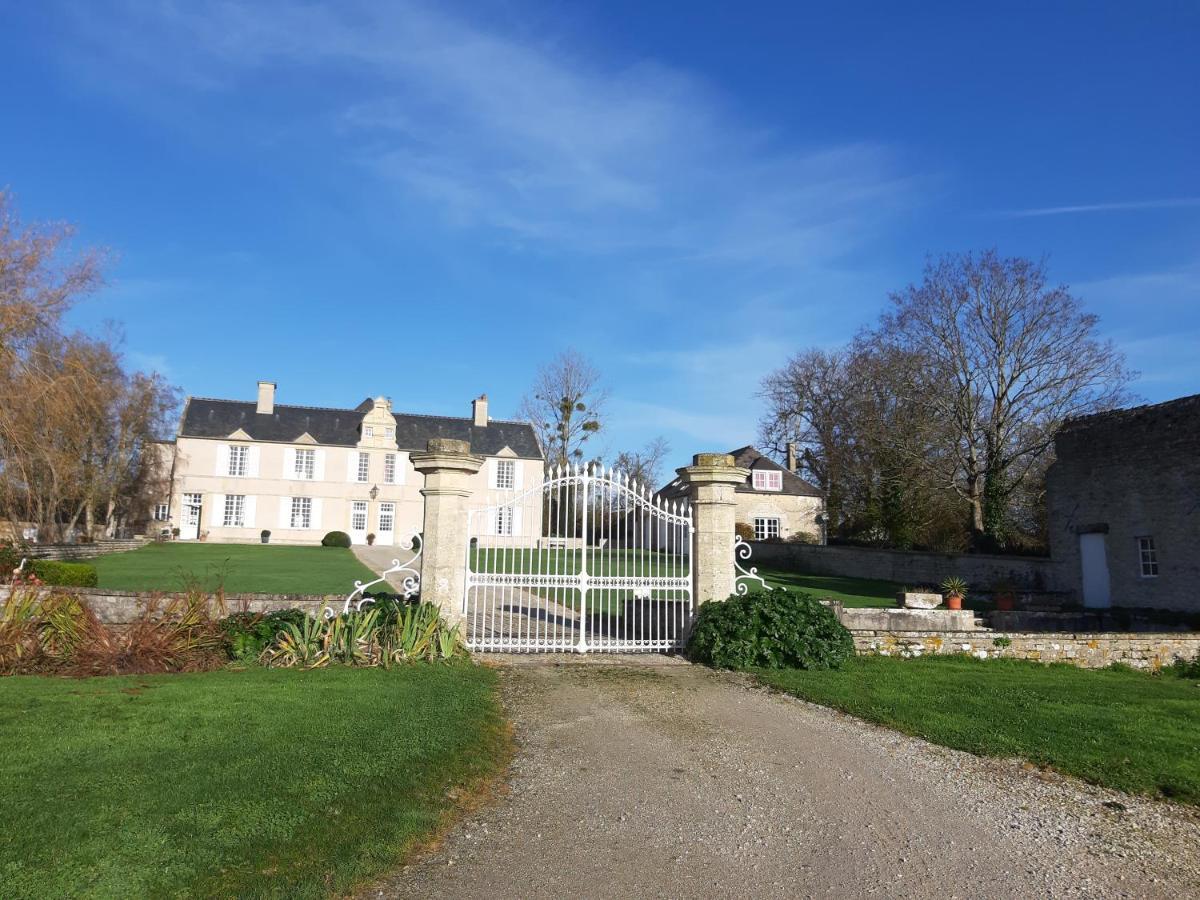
662 779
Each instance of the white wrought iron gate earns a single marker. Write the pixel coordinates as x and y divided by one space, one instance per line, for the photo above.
587 560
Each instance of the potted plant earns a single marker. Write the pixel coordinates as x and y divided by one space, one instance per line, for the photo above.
175 533
1004 596
954 589
371 538
265 534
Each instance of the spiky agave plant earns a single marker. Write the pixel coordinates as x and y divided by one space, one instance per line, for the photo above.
302 644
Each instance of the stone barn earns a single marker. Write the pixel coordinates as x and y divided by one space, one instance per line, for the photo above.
1124 506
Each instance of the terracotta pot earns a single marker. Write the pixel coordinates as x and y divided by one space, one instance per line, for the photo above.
953 601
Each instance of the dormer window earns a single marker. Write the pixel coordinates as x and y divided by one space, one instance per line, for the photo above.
368 431
768 480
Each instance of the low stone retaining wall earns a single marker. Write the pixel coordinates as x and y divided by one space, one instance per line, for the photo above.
114 607
80 551
1090 651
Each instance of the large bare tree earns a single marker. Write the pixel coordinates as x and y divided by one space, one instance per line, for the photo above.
565 406
1008 359
935 427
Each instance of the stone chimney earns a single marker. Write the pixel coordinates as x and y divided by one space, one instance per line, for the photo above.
791 456
266 398
479 411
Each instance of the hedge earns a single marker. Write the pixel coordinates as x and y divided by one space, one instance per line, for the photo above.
64 574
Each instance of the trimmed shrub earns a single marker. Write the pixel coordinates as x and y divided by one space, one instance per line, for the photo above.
775 629
64 574
744 530
336 539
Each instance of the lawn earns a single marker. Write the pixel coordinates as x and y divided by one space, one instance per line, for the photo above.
255 783
241 568
1118 728
853 592
614 562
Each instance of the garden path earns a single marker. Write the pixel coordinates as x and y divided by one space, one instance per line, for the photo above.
653 778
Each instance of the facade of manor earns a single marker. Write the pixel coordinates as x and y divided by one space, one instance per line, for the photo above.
238 468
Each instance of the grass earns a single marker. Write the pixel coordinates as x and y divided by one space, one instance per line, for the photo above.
616 562
255 783
853 592
242 568
1127 730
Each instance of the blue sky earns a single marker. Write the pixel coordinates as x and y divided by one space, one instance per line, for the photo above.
429 200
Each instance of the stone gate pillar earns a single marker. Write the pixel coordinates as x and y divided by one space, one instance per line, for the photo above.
447 466
711 479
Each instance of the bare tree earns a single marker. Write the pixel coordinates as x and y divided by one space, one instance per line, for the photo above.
1008 359
644 465
565 406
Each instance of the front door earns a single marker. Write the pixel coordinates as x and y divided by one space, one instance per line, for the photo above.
1093 557
387 524
358 522
189 518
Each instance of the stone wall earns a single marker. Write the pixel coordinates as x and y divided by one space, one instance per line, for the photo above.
1090 651
908 567
80 551
114 607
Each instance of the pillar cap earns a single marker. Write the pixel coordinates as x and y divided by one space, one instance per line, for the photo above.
713 468
446 454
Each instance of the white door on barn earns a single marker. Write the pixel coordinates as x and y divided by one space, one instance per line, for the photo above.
1093 558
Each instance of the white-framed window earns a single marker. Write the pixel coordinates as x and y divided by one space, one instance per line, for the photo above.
363 470
160 512
768 480
306 464
368 431
766 528
1147 557
238 455
506 474
389 468
387 517
301 512
504 520
389 431
235 511
358 515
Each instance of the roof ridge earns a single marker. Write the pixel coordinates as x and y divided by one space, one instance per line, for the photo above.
343 409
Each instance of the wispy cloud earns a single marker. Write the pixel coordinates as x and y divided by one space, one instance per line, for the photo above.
1130 206
520 134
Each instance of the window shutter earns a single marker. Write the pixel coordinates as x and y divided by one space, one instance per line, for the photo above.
401 465
492 473
516 521
316 512
285 512
352 466
518 474
222 459
217 518
252 462
289 462
318 465
248 512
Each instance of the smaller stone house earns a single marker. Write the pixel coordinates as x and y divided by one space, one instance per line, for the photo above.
1123 507
777 503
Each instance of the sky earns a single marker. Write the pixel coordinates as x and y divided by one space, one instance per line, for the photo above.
429 201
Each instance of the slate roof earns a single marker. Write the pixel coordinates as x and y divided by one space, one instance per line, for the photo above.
749 458
208 418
